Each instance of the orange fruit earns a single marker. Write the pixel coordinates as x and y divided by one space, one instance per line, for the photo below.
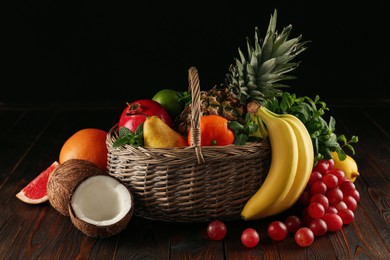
86 144
35 192
214 131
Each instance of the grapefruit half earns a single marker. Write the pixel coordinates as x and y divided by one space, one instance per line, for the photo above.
36 191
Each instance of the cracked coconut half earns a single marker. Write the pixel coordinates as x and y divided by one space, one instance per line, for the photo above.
101 206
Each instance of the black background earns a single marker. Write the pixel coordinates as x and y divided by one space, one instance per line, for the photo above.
92 51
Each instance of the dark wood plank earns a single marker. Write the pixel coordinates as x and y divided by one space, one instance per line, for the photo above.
190 241
144 239
21 138
8 119
372 155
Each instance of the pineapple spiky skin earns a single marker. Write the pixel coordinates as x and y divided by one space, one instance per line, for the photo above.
218 100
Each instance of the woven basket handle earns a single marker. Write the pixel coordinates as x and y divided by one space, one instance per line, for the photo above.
194 89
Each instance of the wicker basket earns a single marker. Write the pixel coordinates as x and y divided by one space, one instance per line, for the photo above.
190 184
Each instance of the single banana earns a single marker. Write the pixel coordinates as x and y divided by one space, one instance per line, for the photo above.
261 131
283 167
304 168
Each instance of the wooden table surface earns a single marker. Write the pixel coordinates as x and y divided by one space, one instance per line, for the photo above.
31 137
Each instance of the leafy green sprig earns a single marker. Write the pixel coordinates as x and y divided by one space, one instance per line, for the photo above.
126 136
242 132
185 97
312 112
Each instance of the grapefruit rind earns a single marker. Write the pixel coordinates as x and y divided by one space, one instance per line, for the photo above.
35 192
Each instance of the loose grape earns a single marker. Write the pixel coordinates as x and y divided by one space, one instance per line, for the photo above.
304 237
347 187
320 198
347 216
333 221
318 188
322 166
315 210
250 237
334 195
216 230
331 209
318 226
355 194
341 206
314 176
293 223
277 230
351 202
330 180
338 173
344 180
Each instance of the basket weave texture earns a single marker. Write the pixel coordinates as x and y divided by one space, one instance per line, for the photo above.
194 183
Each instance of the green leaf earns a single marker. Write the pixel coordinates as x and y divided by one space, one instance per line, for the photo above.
350 147
341 154
140 129
235 126
184 97
125 136
252 128
124 131
342 139
354 139
332 124
243 132
240 139
120 142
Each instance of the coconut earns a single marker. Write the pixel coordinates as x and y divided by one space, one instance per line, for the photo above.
101 206
64 179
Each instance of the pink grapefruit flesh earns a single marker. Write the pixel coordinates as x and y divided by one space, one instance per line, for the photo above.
36 191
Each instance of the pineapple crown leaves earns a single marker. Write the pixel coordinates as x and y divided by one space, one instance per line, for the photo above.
254 76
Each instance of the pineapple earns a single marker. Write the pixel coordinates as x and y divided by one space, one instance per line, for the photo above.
255 76
218 100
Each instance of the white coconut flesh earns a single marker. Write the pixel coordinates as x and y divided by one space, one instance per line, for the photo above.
101 200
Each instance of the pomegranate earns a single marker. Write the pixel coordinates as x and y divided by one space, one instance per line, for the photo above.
136 113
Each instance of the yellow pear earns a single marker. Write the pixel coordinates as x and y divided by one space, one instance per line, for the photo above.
157 134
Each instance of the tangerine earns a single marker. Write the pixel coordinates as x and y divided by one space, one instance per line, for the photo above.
214 131
87 144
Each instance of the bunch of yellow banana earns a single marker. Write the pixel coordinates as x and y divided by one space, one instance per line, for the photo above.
292 158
